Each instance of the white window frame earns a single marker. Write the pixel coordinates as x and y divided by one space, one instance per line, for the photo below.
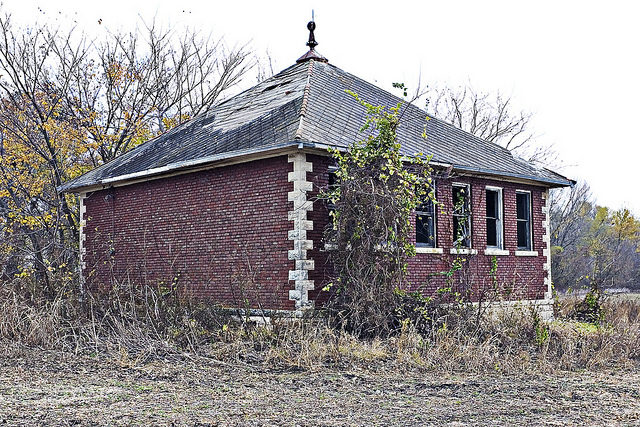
530 248
499 219
470 205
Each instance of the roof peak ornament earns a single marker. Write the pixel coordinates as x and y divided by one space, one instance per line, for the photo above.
312 43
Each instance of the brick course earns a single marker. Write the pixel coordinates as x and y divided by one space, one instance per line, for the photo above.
523 277
206 230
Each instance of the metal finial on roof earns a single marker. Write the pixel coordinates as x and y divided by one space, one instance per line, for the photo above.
312 43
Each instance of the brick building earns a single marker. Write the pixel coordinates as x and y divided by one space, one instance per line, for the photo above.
223 205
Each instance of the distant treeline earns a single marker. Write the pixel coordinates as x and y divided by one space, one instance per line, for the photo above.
591 245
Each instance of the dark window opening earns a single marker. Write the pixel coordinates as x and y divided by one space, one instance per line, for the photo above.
461 217
425 225
523 216
494 218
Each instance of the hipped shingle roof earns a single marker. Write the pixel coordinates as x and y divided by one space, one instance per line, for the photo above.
306 104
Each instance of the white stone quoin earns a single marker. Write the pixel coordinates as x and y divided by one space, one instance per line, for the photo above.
81 247
298 233
546 238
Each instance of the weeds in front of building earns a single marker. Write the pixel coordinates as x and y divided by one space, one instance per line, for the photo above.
369 320
134 325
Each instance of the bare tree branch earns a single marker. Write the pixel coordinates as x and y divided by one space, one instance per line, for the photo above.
490 117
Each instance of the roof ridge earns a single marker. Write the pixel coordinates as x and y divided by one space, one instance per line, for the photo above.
412 105
305 101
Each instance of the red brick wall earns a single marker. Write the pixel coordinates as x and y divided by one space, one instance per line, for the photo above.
320 215
519 277
206 229
209 228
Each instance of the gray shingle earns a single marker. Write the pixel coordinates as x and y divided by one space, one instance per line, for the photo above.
268 116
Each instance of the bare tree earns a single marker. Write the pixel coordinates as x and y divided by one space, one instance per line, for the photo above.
490 117
137 85
592 246
264 67
568 208
68 104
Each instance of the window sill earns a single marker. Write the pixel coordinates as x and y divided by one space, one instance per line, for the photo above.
526 253
423 250
496 252
463 251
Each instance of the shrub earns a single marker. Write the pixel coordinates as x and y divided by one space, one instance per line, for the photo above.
376 193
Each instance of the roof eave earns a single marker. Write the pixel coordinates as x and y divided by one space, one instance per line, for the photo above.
176 167
549 182
190 165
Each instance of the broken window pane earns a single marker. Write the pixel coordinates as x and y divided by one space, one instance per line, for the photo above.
461 216
425 225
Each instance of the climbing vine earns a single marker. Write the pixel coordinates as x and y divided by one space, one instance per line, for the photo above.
376 192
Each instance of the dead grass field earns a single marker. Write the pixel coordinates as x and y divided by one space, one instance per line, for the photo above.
49 388
512 370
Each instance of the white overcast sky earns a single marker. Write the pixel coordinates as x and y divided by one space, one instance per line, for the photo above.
574 64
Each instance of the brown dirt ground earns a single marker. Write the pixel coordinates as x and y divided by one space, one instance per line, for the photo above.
48 388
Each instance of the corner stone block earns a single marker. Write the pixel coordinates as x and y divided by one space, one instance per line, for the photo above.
299 161
294 195
305 264
302 223
297 175
297 234
298 215
302 244
298 275
303 186
296 157
307 285
295 295
297 254
303 205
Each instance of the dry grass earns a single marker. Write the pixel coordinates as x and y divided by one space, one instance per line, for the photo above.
512 342
140 324
136 327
